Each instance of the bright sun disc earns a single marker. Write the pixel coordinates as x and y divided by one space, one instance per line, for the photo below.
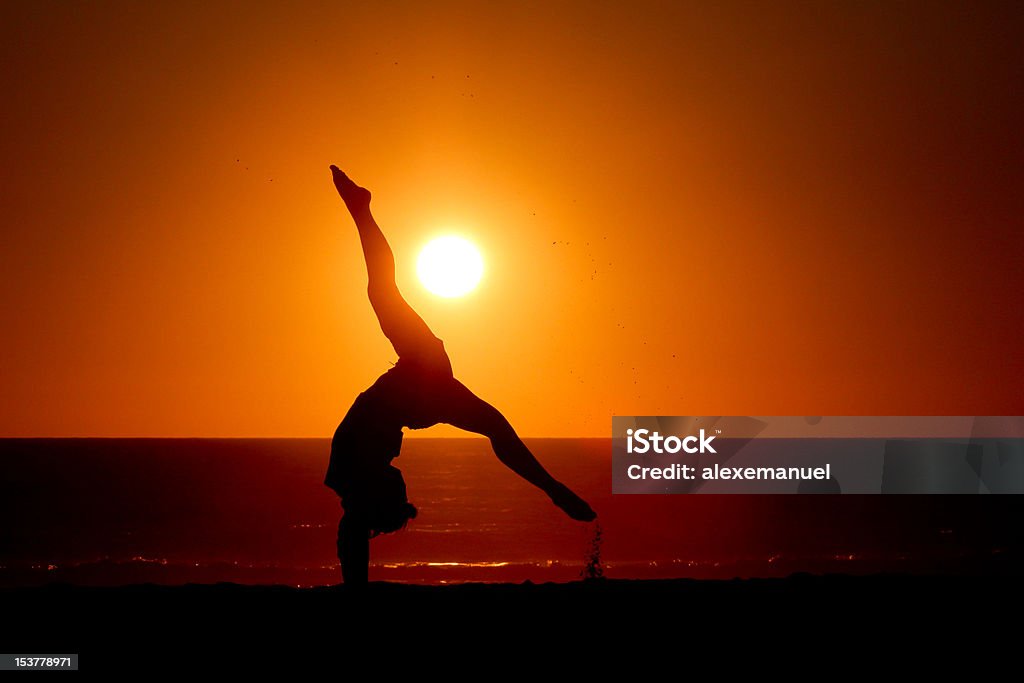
450 266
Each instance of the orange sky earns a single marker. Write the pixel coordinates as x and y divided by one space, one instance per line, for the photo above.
704 209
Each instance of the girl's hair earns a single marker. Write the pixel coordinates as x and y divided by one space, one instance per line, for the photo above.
391 518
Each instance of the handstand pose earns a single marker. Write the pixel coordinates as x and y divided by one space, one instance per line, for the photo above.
419 391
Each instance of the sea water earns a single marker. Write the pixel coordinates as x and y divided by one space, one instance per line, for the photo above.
115 511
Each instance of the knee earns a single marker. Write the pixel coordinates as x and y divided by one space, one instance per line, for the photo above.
500 431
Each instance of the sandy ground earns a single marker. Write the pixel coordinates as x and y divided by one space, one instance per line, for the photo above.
142 626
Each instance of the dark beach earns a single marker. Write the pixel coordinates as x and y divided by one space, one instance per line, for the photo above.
128 626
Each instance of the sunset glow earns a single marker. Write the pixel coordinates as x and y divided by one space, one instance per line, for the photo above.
682 208
450 266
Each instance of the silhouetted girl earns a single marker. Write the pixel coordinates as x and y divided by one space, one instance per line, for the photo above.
419 391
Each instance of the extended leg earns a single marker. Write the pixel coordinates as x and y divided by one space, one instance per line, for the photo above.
406 330
465 410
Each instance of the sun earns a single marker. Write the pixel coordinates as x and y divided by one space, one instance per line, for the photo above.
450 266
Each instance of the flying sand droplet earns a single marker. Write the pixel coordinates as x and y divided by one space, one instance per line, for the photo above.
592 568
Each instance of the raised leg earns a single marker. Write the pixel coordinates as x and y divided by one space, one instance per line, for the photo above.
406 330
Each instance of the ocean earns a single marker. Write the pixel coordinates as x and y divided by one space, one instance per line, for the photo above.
255 511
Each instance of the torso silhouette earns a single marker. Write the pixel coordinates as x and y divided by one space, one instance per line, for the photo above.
411 394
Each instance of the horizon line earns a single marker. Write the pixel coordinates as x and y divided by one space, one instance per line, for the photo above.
250 438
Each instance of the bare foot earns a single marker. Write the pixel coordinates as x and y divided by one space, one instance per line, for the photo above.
356 198
572 505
